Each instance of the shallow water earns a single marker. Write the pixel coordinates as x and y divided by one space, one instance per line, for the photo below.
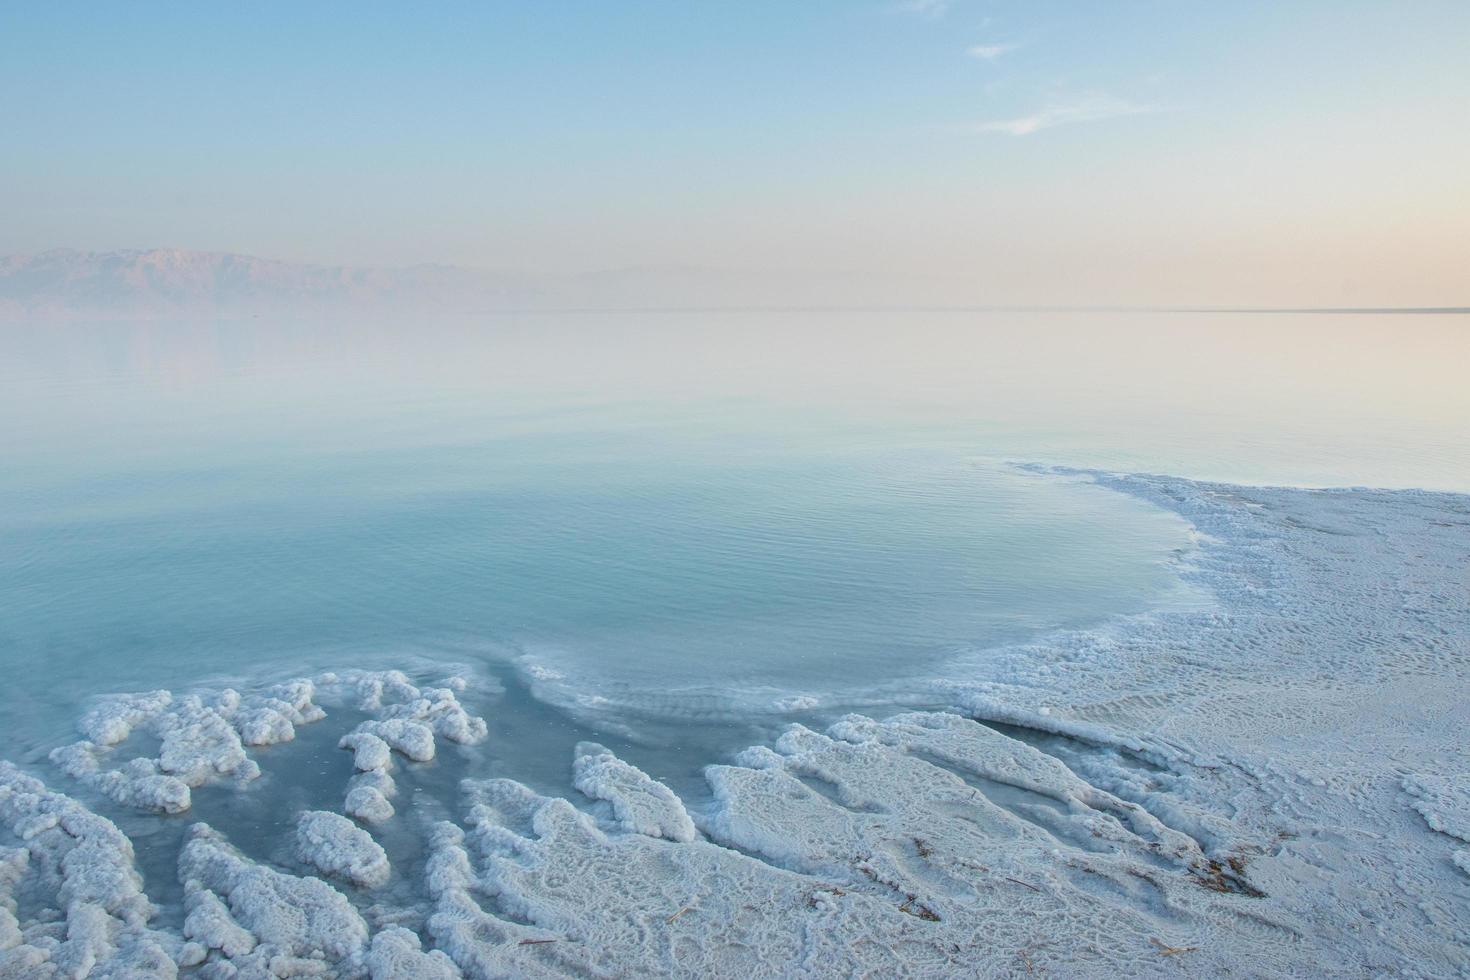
674 535
696 518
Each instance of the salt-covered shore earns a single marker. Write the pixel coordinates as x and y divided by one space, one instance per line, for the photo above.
1271 783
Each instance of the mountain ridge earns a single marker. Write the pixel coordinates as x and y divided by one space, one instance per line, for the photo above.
68 283
162 283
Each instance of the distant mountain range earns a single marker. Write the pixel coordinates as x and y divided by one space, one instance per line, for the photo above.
69 284
66 284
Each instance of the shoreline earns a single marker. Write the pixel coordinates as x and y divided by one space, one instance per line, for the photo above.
1271 782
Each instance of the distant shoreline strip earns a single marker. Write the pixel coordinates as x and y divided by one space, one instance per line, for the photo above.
1312 310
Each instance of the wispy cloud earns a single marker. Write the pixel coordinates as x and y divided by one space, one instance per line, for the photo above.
931 9
989 52
1090 107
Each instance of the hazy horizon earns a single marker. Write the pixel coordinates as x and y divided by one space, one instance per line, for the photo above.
161 284
914 153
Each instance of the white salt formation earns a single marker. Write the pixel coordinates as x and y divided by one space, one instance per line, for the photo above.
14 861
369 790
406 720
112 719
1445 807
638 804
247 920
411 738
251 920
536 888
1171 794
201 740
370 753
337 847
396 954
74 869
368 804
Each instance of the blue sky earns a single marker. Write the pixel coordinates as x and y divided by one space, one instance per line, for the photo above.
1138 151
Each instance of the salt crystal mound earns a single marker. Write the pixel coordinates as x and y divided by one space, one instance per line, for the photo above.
368 803
202 739
1445 808
240 918
249 920
406 719
369 752
14 862
88 913
636 803
337 847
397 954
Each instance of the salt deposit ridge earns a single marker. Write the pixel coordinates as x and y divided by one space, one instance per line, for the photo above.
1273 783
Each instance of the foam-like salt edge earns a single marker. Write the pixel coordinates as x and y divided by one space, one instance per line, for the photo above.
85 865
637 803
201 740
406 719
337 847
1265 786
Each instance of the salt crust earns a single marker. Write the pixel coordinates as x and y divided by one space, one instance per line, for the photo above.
79 866
1170 786
637 803
405 719
337 847
201 739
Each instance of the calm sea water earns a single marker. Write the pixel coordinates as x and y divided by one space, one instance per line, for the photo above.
690 516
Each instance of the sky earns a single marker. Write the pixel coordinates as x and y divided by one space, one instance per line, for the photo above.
953 151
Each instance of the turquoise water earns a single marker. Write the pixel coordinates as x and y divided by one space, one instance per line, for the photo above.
692 519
